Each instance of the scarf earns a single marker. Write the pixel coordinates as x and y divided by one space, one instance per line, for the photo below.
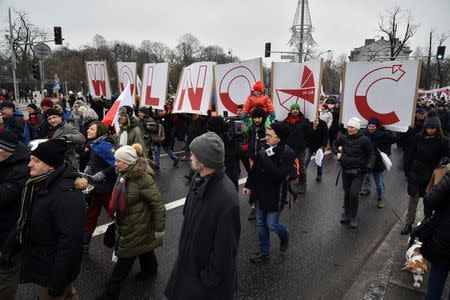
118 198
123 139
27 199
293 119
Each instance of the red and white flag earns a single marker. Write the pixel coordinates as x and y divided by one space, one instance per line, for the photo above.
112 116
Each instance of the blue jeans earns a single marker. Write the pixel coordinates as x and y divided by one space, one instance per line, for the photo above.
436 282
378 178
167 150
265 221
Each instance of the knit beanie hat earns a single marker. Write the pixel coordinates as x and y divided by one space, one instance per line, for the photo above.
52 112
209 150
8 140
373 121
32 105
216 124
295 106
281 130
432 120
7 104
258 112
354 122
258 86
127 154
47 102
51 152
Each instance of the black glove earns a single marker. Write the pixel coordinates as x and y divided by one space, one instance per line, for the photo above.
5 262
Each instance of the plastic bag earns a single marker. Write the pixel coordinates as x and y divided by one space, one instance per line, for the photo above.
386 160
319 157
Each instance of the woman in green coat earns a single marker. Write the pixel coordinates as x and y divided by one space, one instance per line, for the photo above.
139 214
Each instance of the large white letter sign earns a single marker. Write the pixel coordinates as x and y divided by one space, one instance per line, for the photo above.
296 83
195 89
386 91
154 85
234 82
98 81
126 72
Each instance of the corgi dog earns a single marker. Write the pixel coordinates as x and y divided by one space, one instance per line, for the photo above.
416 263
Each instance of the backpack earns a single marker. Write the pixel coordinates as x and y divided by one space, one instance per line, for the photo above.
156 131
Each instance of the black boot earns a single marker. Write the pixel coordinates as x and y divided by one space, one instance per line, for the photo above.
406 230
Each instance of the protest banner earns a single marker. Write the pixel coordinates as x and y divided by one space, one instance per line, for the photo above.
98 80
296 83
383 90
126 72
195 89
234 82
154 85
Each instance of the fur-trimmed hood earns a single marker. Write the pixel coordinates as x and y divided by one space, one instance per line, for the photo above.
139 169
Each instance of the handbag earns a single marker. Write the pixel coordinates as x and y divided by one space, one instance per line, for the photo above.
109 239
386 160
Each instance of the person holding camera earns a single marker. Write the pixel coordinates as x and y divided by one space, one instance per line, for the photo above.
355 152
266 183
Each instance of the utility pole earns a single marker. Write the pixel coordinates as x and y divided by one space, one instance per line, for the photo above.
302 23
13 57
429 63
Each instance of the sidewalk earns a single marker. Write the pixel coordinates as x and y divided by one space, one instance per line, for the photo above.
382 276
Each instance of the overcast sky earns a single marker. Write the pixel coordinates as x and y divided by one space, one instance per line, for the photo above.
240 25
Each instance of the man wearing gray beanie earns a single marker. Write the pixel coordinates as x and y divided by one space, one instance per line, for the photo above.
211 228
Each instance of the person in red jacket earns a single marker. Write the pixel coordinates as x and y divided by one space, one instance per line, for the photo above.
257 98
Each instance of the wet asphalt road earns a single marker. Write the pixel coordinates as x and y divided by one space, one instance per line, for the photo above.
323 259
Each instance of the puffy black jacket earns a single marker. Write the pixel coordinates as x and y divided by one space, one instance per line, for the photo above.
437 249
319 136
256 134
299 133
16 125
268 175
381 140
13 174
423 157
357 152
53 234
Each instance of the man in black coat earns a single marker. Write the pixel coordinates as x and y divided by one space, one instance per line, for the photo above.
357 157
318 140
10 121
50 226
267 183
14 158
300 130
206 264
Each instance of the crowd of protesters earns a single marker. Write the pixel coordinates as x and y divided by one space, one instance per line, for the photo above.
60 149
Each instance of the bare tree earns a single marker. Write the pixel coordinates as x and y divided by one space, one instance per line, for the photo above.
157 52
188 48
391 24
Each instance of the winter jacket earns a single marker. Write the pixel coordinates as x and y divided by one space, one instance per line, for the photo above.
97 106
53 234
205 267
134 133
423 156
144 215
262 101
195 129
444 117
145 131
300 130
268 175
357 152
69 133
327 117
35 120
335 126
44 127
14 172
319 137
16 124
101 159
381 140
436 250
255 135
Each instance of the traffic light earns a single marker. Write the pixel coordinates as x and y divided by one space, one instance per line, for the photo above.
440 52
58 35
36 71
267 49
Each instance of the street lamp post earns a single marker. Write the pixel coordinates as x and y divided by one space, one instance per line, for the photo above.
13 57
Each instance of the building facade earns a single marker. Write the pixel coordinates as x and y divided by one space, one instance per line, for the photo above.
373 49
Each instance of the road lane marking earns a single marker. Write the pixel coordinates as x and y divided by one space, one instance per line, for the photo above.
171 205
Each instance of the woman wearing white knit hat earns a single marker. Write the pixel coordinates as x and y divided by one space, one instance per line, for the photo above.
356 154
140 217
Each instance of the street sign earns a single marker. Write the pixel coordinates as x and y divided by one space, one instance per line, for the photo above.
42 50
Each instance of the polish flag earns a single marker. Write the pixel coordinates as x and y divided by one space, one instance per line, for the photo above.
112 116
138 85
